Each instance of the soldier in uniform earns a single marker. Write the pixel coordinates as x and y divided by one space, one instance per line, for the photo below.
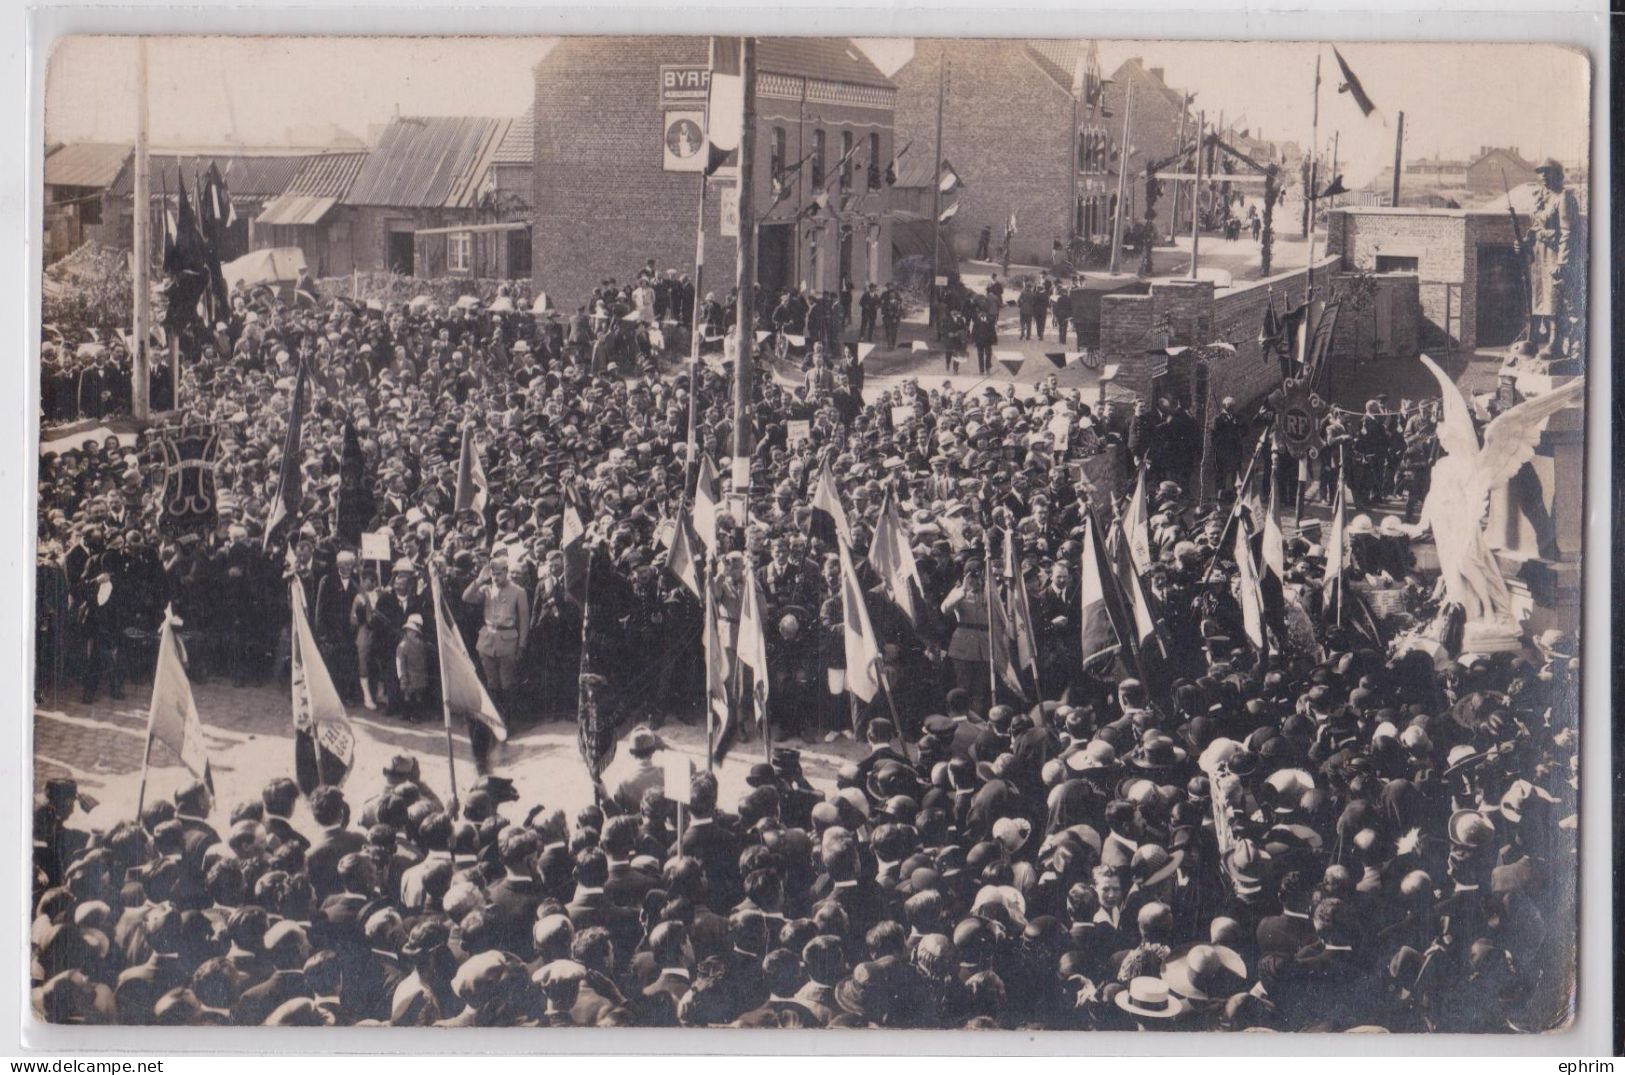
1554 270
969 648
891 313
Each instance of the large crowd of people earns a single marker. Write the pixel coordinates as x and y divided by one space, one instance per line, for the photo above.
1325 835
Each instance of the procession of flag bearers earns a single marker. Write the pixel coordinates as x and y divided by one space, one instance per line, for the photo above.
1134 755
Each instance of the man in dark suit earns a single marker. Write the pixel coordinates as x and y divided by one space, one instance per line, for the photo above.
592 906
337 839
335 594
515 897
713 842
658 1005
625 885
868 312
1289 932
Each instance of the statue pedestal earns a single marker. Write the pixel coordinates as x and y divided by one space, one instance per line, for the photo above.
1536 520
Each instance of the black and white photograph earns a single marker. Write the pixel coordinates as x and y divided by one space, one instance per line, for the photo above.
929 533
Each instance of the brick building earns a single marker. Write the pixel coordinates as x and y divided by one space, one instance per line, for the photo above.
618 136
1466 265
1495 170
1155 133
1007 128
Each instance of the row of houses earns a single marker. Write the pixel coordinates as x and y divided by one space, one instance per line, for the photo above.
396 206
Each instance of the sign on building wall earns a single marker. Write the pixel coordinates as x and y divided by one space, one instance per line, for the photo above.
730 212
685 140
684 82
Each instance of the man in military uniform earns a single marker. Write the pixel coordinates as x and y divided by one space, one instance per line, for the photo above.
891 313
1555 273
868 310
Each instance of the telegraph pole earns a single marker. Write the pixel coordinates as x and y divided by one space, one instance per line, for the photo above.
745 276
1122 174
141 290
1196 191
1399 149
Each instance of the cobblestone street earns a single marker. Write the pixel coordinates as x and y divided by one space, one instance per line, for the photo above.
250 741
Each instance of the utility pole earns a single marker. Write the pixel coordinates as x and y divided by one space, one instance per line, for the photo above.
1179 141
1122 175
141 290
936 193
1337 137
1196 192
1399 149
745 277
1072 170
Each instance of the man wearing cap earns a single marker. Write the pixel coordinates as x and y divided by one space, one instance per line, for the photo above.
643 744
506 610
1555 269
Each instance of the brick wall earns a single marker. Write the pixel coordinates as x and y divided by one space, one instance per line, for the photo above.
604 204
1194 312
1153 134
1360 363
1006 130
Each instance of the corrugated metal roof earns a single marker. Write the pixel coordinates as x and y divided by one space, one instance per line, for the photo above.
326 175
833 59
249 176
295 210
519 145
85 164
429 162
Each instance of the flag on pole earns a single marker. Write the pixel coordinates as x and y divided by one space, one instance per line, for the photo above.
724 104
948 213
862 647
1001 640
893 560
172 716
573 547
828 517
751 650
1137 525
1137 598
1024 652
707 499
718 673
323 740
290 491
892 168
460 687
948 180
1101 614
1010 226
353 506
1351 85
1335 554
595 721
472 489
1273 551
682 562
1252 611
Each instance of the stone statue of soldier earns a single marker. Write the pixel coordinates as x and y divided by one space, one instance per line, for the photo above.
1556 272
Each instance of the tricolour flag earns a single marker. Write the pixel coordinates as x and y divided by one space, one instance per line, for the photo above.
460 687
707 500
290 491
948 213
172 716
724 104
751 650
1136 597
1024 648
682 562
862 647
828 517
718 673
1137 524
1252 610
1101 614
1335 554
893 560
323 740
472 489
949 179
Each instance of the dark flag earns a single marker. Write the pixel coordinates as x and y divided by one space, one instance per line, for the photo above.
304 291
1351 85
1333 189
289 487
828 516
215 216
353 508
891 169
186 261
1056 358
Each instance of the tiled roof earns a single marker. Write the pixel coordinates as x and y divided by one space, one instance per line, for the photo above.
85 164
834 59
429 162
519 144
1058 58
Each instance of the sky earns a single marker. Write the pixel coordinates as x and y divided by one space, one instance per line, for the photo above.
258 91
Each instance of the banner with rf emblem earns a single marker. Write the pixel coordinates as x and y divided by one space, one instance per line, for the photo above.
1298 414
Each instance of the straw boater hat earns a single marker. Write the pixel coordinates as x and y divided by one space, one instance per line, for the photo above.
1149 998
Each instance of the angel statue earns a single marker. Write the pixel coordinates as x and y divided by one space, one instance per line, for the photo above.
1458 500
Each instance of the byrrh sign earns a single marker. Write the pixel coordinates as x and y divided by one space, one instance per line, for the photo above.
684 82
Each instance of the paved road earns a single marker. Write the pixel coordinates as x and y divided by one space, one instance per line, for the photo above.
250 741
